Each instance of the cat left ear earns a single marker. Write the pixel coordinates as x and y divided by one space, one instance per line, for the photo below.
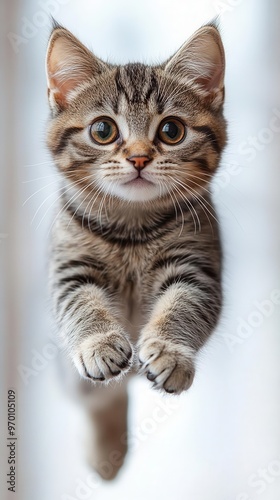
69 64
201 62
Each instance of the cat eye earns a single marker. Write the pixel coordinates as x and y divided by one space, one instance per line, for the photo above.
171 131
104 131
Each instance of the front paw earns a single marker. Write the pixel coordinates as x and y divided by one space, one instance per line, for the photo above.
168 365
104 356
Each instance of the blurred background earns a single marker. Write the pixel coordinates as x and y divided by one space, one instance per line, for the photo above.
221 440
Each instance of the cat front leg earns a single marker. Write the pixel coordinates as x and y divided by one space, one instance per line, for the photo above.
182 319
95 341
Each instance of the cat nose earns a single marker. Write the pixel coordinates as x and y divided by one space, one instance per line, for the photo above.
139 162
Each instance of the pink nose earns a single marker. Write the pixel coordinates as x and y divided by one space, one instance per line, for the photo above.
139 162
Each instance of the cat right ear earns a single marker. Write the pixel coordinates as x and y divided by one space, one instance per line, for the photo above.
69 65
201 62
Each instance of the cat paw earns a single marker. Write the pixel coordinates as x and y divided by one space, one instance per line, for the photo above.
101 357
170 367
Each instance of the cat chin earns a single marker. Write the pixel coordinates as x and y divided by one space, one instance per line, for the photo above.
137 191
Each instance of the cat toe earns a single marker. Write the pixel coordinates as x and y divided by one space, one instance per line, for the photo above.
170 368
102 357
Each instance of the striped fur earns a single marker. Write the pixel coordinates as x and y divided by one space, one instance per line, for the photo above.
136 265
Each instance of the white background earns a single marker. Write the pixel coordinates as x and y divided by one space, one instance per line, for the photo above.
217 439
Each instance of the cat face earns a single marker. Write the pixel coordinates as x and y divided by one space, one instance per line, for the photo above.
137 133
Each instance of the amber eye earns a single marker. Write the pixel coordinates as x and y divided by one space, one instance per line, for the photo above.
104 131
171 131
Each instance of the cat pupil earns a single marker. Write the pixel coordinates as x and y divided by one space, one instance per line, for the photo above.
171 130
104 130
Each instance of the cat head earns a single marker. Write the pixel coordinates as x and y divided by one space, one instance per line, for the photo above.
139 133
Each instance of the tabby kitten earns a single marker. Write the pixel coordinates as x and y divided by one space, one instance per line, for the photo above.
135 249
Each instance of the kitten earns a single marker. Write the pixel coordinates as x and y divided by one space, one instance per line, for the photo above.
136 255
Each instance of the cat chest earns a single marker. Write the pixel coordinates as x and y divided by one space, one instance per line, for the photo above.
128 277
131 303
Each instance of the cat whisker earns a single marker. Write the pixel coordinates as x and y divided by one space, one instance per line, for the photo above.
91 201
38 191
220 202
160 188
204 208
38 164
190 206
197 196
44 201
64 190
110 198
50 184
101 204
234 164
99 190
174 204
54 174
84 199
190 174
182 214
66 205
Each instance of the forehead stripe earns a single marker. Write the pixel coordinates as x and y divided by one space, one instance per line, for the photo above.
152 88
119 85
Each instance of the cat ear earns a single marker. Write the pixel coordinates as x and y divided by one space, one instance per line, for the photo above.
69 64
201 61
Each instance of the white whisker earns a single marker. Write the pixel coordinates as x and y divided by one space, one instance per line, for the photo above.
65 205
190 206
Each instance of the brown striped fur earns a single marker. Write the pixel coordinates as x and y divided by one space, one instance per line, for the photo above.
136 269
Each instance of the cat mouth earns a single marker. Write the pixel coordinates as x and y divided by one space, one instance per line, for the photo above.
138 181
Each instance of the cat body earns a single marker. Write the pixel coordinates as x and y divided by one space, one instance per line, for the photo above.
135 265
